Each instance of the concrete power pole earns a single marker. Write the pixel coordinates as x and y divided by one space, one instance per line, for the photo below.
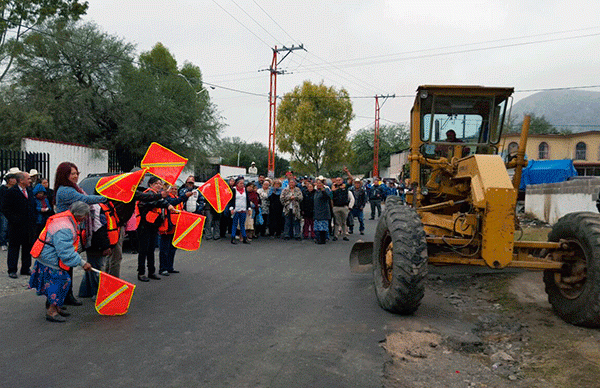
273 101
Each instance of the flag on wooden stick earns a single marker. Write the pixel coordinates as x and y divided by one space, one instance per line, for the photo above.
217 193
163 163
114 295
188 231
120 187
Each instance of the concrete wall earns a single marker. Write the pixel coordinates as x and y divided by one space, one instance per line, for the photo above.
88 160
550 201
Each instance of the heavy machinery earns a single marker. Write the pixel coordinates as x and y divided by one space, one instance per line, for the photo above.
461 210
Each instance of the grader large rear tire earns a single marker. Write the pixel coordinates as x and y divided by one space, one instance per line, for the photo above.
399 258
574 292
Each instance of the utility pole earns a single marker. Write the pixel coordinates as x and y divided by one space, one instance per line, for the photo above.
273 101
376 139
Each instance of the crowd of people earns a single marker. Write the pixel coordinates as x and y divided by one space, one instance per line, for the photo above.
55 226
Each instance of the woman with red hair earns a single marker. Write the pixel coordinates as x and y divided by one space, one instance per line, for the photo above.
66 193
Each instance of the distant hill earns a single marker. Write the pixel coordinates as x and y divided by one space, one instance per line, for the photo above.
574 110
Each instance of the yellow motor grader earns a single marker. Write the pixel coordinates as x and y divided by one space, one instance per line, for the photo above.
461 210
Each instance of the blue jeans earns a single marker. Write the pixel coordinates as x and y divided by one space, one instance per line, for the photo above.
3 230
238 217
358 213
166 255
292 225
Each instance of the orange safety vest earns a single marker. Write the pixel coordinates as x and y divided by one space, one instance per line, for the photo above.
112 221
38 246
152 214
168 225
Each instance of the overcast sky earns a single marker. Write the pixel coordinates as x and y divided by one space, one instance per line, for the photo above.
367 47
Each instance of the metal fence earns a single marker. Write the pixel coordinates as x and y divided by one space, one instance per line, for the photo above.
114 165
25 161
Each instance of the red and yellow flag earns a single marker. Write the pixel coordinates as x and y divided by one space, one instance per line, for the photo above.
188 231
114 295
217 192
120 187
163 163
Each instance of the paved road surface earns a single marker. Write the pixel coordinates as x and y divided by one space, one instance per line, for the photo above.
272 314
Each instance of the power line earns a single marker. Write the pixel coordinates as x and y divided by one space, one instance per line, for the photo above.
347 61
254 20
242 24
273 20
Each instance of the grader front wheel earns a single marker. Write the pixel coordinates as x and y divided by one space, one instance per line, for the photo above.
574 291
399 259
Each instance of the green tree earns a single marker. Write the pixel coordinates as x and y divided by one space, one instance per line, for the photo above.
313 126
392 139
538 125
18 17
69 75
77 83
168 105
229 149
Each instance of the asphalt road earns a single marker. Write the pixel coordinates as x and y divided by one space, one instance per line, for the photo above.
271 314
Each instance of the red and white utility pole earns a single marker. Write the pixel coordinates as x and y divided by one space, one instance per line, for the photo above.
376 139
273 102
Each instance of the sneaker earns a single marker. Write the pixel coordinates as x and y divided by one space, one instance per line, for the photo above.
4 248
13 275
362 233
334 239
346 238
164 273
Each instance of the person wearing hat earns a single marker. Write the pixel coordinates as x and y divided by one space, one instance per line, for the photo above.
252 169
10 180
35 176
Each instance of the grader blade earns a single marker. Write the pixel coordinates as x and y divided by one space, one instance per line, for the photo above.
361 257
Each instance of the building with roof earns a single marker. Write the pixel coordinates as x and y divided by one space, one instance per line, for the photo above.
583 148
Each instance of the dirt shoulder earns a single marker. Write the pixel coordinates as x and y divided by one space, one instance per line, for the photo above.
511 338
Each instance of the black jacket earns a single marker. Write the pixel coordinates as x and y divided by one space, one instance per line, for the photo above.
18 210
360 197
307 206
322 202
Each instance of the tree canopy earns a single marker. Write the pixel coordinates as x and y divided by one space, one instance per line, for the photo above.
313 126
538 125
392 139
74 82
20 16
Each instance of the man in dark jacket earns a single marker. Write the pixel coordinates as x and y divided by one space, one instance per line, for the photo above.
19 209
377 194
360 200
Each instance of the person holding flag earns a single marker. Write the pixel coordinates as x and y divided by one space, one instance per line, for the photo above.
55 251
167 229
151 216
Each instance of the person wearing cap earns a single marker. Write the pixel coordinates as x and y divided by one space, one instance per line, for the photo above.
35 176
252 169
19 208
11 180
288 175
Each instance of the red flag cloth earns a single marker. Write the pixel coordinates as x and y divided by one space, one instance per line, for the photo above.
217 192
120 187
188 231
114 295
163 163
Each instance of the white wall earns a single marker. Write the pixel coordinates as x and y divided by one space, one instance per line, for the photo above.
88 160
549 202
